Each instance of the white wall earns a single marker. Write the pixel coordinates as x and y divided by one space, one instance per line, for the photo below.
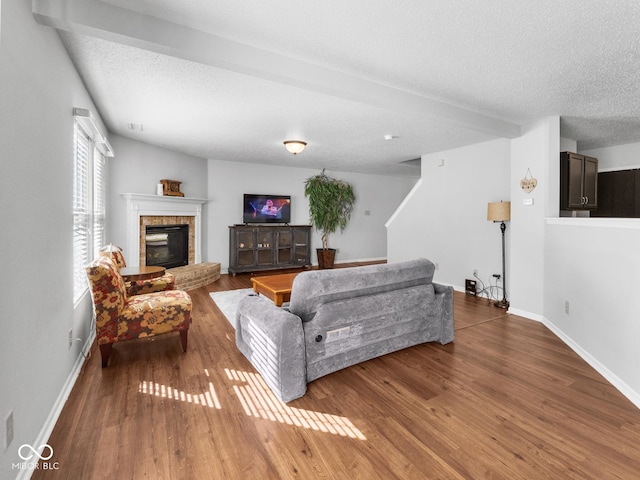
568 145
620 157
38 89
137 168
593 264
534 153
445 219
363 239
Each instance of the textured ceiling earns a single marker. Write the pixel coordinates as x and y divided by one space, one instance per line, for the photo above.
231 80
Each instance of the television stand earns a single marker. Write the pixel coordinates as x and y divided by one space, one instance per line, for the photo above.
254 248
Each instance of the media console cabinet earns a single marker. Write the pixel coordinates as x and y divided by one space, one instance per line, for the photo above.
254 248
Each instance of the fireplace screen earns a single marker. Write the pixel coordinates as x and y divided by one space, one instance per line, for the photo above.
167 245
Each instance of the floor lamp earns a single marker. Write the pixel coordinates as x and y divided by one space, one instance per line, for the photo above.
501 212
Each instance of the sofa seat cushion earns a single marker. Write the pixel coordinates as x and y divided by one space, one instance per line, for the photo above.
154 314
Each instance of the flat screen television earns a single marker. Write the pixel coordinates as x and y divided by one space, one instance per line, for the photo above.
266 208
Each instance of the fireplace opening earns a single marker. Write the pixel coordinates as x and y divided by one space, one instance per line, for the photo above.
167 245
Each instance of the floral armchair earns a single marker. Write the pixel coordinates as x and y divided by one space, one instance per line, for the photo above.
138 287
122 317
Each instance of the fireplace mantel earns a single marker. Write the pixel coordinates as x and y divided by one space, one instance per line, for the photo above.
140 205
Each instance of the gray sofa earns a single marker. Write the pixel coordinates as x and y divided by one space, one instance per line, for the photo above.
337 318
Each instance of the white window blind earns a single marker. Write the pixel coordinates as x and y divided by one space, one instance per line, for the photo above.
88 207
99 193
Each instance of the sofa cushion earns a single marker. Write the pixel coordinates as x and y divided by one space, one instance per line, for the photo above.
314 288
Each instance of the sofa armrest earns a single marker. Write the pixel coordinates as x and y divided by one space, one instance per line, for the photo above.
444 294
272 339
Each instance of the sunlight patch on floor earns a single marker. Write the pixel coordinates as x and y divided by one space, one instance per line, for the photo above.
206 399
259 401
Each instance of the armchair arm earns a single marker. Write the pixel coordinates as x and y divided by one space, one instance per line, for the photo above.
444 294
273 340
159 284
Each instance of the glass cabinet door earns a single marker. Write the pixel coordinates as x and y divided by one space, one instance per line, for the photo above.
301 250
264 246
245 242
284 246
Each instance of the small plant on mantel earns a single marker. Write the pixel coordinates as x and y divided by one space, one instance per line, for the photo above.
330 205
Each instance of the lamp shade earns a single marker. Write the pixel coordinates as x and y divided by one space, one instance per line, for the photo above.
295 146
499 211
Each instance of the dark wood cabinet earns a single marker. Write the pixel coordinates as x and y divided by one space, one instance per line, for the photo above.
267 247
618 194
578 182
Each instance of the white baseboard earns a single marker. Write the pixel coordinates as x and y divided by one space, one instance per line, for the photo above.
525 314
52 419
632 395
612 378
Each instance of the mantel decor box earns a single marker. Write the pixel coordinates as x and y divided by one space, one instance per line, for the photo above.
171 188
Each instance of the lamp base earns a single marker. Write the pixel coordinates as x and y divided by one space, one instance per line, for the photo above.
502 303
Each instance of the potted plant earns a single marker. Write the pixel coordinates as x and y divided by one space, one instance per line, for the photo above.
330 205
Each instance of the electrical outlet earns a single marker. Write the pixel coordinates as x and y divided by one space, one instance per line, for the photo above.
8 430
70 337
471 287
566 307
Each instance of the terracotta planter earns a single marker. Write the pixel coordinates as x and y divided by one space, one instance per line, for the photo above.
326 257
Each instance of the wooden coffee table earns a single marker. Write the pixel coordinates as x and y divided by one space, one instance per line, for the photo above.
133 274
275 287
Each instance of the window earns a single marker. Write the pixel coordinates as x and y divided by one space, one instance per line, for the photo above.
88 206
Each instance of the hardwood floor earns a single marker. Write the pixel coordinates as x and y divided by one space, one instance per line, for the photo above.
506 400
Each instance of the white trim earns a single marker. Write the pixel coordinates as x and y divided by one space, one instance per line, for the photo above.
618 169
528 315
626 223
140 205
613 379
406 200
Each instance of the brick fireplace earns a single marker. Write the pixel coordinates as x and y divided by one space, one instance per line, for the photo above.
143 210
156 220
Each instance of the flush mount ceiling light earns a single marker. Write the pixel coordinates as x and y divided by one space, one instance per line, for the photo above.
295 146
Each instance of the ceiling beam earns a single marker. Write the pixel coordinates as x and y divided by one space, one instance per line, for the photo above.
106 21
